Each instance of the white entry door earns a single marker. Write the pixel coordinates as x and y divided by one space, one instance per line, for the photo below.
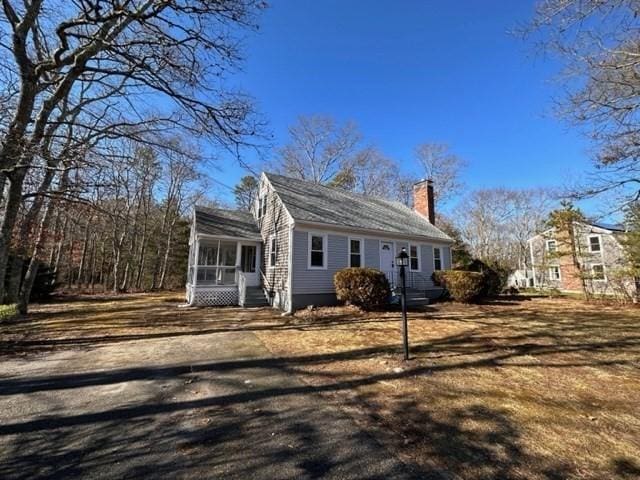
386 257
249 255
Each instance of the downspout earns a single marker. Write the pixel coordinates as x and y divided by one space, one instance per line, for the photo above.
290 268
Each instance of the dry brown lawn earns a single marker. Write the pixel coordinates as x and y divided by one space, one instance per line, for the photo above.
537 388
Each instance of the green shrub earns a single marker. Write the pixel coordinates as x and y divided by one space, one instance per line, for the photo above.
366 288
463 286
494 278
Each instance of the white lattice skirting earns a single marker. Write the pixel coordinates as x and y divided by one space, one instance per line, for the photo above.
217 296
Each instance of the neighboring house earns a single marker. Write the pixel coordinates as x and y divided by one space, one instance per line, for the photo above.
521 278
600 256
299 235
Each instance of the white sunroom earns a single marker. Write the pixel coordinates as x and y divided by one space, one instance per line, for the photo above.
224 257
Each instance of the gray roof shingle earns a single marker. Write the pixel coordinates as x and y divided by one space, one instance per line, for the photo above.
311 202
230 223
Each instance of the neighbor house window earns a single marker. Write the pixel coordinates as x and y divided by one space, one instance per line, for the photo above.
594 243
273 251
355 252
597 272
552 246
554 272
414 258
437 258
317 250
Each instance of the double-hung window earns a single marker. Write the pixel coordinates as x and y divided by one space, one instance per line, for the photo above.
594 243
552 246
355 252
554 272
317 251
262 206
414 258
597 271
273 251
437 258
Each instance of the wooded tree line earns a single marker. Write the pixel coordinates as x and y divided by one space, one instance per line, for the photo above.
97 97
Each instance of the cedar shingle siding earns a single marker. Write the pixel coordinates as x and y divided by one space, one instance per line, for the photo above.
276 221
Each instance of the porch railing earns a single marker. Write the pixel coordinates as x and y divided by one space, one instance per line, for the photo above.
417 280
242 288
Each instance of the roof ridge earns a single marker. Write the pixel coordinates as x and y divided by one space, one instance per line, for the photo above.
334 188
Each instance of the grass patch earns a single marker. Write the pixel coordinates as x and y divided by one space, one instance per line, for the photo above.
7 312
543 388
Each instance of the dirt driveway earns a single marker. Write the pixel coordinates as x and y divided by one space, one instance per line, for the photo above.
134 388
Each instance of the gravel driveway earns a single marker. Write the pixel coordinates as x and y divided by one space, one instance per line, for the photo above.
187 406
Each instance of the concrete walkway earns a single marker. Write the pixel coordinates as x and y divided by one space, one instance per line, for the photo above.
202 406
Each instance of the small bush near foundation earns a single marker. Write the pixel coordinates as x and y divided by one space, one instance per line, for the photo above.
366 288
463 286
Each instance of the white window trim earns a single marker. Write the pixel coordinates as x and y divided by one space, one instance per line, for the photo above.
361 240
273 237
547 245
599 237
419 253
325 250
604 272
559 279
434 259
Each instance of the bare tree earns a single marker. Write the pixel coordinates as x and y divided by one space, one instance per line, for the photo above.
121 53
497 223
599 44
443 167
318 149
370 172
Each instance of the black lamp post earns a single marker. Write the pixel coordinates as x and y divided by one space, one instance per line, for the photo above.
402 260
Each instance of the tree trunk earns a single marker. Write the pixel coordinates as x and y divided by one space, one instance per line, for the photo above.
11 208
56 266
32 270
85 240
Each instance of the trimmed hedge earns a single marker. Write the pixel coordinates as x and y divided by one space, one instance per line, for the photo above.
366 288
494 278
463 286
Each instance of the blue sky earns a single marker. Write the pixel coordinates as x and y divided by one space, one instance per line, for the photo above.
416 71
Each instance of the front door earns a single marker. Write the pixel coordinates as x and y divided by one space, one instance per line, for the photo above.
386 259
248 259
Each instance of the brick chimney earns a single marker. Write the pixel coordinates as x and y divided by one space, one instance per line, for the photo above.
423 202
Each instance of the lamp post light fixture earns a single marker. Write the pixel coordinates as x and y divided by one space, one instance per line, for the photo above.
402 260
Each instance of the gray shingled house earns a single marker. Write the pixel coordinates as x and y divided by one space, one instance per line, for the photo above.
299 234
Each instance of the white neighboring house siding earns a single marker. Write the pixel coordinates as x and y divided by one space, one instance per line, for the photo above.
320 281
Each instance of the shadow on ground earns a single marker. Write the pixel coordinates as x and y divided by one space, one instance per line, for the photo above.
280 429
